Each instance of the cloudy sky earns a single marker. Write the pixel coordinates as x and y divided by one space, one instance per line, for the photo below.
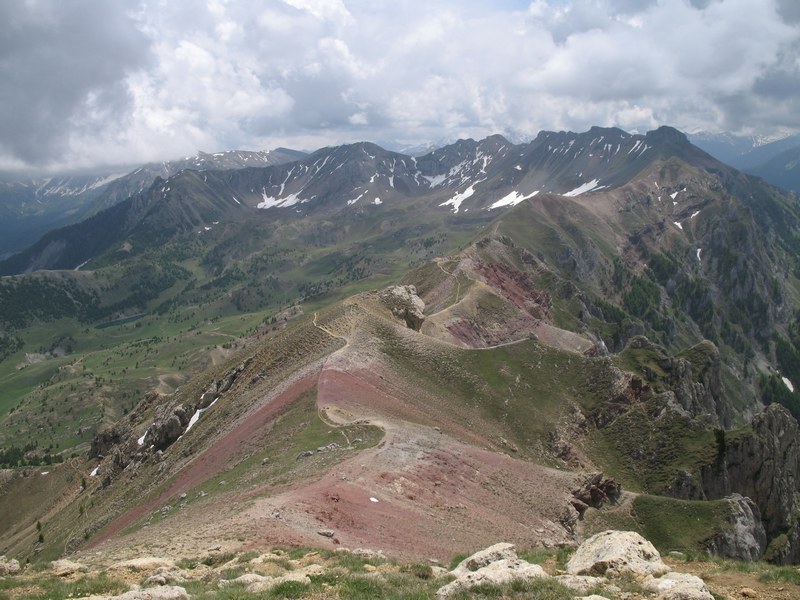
91 83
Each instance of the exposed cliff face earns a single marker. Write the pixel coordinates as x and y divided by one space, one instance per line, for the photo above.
762 463
696 384
689 382
745 537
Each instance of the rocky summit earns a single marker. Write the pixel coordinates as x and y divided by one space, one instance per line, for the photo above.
352 373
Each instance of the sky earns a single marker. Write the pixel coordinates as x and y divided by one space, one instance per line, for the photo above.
88 84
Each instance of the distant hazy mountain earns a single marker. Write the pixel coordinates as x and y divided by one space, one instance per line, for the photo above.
29 207
773 159
782 170
464 177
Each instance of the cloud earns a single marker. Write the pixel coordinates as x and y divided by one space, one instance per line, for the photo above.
63 67
94 82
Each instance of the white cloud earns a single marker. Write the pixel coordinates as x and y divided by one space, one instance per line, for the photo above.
174 77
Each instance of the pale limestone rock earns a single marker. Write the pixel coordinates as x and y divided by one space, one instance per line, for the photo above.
485 557
270 582
368 553
9 566
246 579
145 563
498 572
583 583
157 593
616 552
64 567
678 586
404 303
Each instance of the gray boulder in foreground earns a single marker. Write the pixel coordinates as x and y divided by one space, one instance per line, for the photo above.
612 553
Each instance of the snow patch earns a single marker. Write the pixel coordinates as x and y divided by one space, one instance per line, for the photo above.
435 180
518 168
678 225
699 250
456 200
140 441
373 499
511 199
694 214
674 195
45 473
94 471
586 187
377 201
270 202
354 200
197 414
235 200
788 383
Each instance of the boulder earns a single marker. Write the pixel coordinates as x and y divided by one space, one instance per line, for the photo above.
246 580
145 563
612 553
64 567
157 593
502 551
9 566
498 572
404 303
583 583
678 586
167 576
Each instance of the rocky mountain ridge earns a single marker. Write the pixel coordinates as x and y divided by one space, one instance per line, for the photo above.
516 354
31 207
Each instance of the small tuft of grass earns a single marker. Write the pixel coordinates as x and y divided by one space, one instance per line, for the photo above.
419 571
221 558
246 557
289 589
233 573
538 589
53 588
454 562
780 574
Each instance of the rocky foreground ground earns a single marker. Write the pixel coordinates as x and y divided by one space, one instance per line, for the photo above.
610 565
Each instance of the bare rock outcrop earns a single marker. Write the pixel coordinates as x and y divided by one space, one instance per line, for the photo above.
595 565
615 553
404 303
744 538
482 558
496 565
65 567
9 566
168 592
678 586
594 491
764 465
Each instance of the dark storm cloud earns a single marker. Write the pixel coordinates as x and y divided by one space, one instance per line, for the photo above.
59 60
86 83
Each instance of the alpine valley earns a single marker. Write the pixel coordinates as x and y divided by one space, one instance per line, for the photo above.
422 355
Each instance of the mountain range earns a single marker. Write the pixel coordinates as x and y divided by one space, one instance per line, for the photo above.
33 206
492 340
775 160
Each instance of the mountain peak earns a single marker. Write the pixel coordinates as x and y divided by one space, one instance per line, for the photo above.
666 134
